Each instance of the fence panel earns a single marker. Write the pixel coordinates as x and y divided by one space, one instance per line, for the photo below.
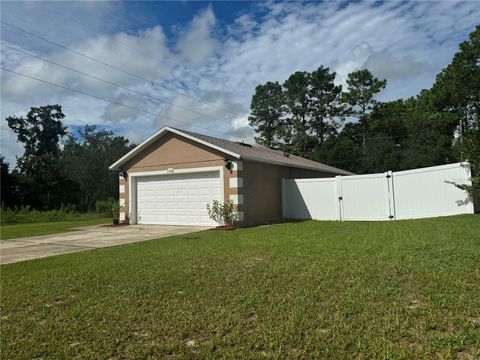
429 192
365 197
310 199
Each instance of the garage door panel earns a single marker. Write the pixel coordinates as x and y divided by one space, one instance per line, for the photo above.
205 219
182 205
178 199
181 192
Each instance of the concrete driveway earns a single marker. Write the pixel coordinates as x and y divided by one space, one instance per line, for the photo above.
84 238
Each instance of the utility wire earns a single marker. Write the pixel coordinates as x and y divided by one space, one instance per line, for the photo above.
125 43
111 83
108 100
116 68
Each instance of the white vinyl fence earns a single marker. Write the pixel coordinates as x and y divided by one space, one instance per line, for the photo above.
411 194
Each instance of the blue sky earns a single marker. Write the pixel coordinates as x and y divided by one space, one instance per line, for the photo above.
203 60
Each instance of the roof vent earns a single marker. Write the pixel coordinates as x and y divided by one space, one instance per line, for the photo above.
243 143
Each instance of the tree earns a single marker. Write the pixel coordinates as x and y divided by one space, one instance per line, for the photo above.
296 128
325 106
266 113
387 137
343 150
86 157
457 87
472 153
471 149
9 191
360 96
41 132
430 133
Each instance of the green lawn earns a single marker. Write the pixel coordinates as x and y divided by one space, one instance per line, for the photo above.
406 289
35 229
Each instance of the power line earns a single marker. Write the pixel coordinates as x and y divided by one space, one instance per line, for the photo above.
108 100
116 68
111 83
137 48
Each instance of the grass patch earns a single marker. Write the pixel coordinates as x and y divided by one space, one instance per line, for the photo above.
26 215
35 229
405 289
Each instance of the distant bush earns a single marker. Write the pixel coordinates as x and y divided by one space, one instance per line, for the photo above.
108 207
24 215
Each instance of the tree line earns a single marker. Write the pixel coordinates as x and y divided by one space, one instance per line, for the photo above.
60 168
312 116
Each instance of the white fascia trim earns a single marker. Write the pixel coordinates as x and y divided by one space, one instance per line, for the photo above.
177 171
157 135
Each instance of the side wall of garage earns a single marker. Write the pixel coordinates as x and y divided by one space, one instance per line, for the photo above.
262 193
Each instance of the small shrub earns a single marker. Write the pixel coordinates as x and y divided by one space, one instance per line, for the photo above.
115 210
222 213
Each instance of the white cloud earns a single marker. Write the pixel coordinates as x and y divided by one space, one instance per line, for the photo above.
65 21
122 50
197 42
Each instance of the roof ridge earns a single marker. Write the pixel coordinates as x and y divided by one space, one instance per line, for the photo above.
193 133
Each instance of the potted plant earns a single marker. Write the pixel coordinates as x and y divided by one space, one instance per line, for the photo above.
223 214
115 212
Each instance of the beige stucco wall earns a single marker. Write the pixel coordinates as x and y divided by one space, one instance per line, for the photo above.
174 151
262 190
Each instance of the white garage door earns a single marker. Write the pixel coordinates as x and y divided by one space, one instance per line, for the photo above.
178 199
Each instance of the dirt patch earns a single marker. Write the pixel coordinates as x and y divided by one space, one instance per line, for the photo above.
226 227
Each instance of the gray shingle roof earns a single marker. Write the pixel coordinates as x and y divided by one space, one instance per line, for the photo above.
238 150
261 153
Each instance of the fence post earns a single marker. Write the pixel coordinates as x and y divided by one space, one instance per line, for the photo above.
338 193
390 195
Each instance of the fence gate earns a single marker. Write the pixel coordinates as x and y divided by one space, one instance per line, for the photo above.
366 197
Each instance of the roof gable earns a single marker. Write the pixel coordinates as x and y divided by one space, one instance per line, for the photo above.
171 149
155 137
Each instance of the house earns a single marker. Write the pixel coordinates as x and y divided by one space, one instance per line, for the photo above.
171 176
